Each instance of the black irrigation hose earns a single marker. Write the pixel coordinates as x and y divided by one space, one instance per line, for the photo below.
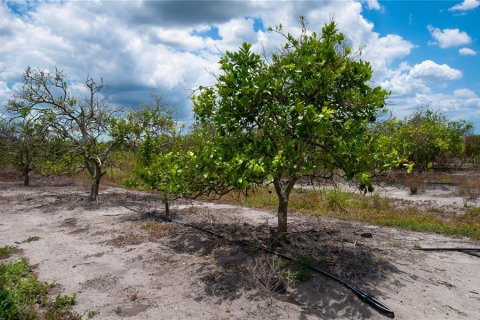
448 249
470 251
367 298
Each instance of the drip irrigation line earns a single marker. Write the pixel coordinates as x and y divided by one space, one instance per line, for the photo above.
475 252
448 249
367 298
472 253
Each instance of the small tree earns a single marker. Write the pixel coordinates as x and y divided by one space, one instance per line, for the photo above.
303 112
83 124
472 148
427 136
24 138
149 133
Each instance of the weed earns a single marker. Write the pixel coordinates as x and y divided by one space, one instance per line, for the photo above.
266 272
65 301
275 274
396 244
32 238
158 230
133 296
7 251
415 183
21 291
474 210
336 200
417 245
118 310
298 271
91 313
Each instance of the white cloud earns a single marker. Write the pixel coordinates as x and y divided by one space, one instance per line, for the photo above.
402 84
449 37
382 51
467 52
465 93
235 32
461 104
432 71
373 5
466 5
419 79
424 85
451 103
143 47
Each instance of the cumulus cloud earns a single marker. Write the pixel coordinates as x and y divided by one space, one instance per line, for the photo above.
418 85
467 52
465 94
447 38
373 5
418 79
466 5
459 101
433 71
166 47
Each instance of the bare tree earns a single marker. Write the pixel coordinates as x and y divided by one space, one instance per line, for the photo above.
84 124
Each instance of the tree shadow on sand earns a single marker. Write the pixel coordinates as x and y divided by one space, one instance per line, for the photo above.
245 271
50 199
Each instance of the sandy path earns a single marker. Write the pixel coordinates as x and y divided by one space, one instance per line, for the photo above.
118 269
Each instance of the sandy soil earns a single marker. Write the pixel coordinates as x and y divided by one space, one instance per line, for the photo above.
442 196
123 264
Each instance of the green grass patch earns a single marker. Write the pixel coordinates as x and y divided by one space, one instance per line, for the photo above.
372 209
297 272
32 238
23 296
7 251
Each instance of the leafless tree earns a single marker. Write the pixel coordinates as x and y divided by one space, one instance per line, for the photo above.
82 123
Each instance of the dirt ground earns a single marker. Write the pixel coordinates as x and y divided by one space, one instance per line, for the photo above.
122 263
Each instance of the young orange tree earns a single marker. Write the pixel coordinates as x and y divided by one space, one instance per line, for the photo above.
303 112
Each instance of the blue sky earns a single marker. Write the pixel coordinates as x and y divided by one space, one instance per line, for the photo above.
425 52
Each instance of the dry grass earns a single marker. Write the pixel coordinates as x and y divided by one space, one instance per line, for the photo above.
468 187
158 230
371 209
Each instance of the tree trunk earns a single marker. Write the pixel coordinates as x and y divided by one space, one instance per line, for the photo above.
283 194
95 188
95 170
282 213
25 176
167 206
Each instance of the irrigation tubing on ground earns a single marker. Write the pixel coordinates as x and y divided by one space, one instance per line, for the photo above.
471 251
448 249
367 298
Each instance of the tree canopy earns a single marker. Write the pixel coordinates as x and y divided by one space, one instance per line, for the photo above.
85 128
24 138
304 111
425 137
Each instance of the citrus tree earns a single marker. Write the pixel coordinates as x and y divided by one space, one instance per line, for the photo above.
149 133
427 136
302 112
25 139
